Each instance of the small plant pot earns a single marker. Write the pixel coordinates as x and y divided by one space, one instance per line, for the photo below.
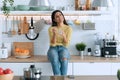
81 53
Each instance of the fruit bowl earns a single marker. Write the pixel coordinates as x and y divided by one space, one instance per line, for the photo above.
22 52
7 76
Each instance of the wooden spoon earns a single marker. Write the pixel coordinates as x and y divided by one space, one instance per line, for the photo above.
19 26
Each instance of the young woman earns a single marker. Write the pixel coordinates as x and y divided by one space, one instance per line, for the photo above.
59 34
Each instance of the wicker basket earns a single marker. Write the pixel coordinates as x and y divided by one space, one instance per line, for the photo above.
7 76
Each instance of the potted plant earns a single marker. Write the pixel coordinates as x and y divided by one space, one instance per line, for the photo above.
81 47
118 74
5 7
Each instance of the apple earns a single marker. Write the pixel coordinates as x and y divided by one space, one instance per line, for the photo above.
1 71
8 71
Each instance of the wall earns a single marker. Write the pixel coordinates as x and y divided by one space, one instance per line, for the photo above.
103 23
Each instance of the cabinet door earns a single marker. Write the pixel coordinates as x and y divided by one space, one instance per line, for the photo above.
46 68
70 71
115 67
16 67
92 68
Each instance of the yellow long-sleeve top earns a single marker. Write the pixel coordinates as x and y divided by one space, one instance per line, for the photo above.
59 38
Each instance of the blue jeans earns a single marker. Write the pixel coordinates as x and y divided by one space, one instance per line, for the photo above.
58 57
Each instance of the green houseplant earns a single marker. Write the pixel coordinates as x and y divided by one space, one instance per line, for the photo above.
118 74
5 5
80 47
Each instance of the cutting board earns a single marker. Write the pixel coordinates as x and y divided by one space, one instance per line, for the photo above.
24 26
23 45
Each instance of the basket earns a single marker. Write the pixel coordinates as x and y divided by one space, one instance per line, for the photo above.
7 76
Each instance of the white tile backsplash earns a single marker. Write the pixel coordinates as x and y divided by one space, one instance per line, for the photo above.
103 24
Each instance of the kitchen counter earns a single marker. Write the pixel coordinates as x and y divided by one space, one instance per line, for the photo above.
75 78
42 58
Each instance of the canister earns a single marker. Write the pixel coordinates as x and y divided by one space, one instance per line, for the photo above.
3 51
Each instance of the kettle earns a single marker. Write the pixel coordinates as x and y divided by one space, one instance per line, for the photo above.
97 51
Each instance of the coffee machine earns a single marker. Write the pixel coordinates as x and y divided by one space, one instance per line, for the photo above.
109 48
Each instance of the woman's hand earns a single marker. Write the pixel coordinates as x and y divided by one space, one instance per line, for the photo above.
64 36
54 31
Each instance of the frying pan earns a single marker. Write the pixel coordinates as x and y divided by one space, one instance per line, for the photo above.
31 35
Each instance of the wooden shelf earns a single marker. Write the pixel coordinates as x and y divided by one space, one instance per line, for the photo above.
66 13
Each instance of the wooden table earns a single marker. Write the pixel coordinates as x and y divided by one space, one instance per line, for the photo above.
73 78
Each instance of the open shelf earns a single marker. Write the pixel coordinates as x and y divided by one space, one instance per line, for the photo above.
66 13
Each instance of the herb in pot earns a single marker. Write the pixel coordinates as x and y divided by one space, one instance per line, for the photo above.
80 46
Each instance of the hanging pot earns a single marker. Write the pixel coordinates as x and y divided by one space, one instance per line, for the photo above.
31 35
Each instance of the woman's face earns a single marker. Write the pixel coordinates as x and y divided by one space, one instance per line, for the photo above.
59 17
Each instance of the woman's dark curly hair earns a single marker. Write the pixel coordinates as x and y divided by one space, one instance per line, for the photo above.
53 18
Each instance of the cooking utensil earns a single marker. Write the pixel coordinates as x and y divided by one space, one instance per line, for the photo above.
27 73
10 32
39 25
13 31
31 35
19 26
37 73
17 22
6 22
25 26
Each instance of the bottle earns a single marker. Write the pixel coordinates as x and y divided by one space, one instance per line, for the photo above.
3 52
89 51
32 71
107 37
88 4
77 4
113 37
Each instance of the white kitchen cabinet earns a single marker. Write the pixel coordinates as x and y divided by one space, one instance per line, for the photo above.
70 69
92 68
16 67
115 67
46 68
